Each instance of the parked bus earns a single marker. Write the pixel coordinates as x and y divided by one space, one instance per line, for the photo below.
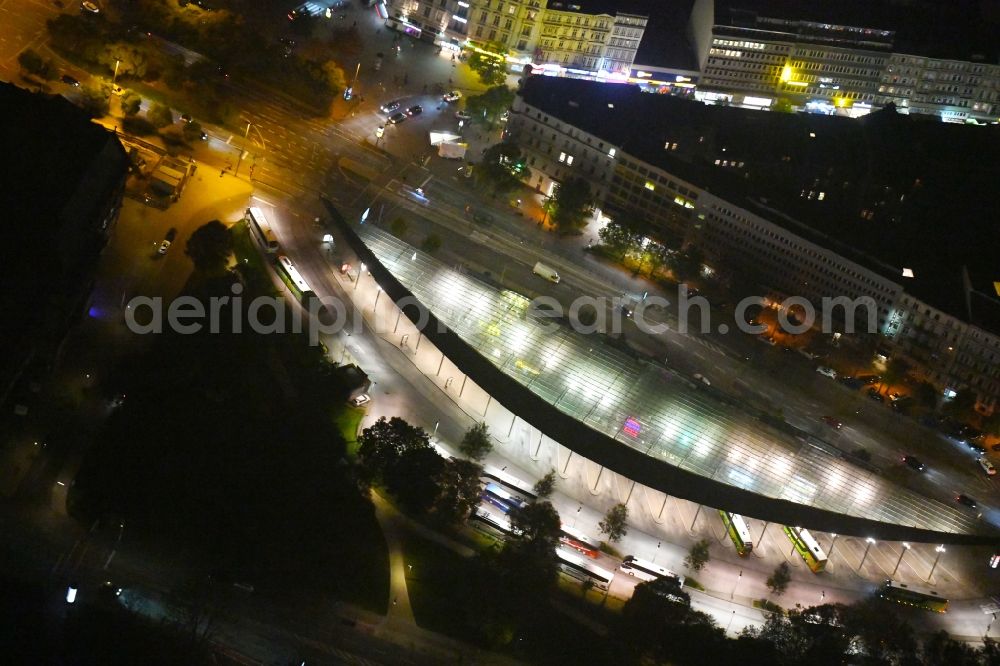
576 567
293 276
510 482
807 547
500 498
647 571
738 531
484 516
579 541
911 595
260 229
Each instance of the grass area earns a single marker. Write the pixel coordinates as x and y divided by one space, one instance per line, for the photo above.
435 586
693 583
347 419
768 606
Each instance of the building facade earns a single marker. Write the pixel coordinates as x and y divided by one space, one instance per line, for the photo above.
586 37
753 59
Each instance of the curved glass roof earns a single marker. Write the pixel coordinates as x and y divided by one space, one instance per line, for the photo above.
647 407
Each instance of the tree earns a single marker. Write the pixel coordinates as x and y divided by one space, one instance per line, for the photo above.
502 168
615 522
32 63
619 238
783 105
209 247
160 116
476 443
385 440
779 579
926 395
536 526
335 76
895 372
491 104
94 100
131 103
572 202
191 131
963 406
687 264
431 244
129 59
398 226
490 63
459 491
698 556
545 485
412 477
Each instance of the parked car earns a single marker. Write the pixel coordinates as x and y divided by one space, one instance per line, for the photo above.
397 118
415 110
827 372
869 379
702 378
452 96
89 6
164 246
833 422
875 395
965 500
362 399
66 78
987 467
914 463
976 448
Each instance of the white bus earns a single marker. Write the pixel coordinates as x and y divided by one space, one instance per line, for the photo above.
647 571
484 516
738 531
293 275
510 482
576 567
807 548
261 230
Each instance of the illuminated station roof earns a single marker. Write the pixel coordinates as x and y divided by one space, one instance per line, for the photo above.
649 408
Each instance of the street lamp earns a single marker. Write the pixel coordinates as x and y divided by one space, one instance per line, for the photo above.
738 579
939 550
114 79
906 547
357 281
377 294
871 542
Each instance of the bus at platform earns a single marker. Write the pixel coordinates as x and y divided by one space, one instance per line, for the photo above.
738 531
807 548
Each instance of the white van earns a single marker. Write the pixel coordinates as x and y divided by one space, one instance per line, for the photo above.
546 272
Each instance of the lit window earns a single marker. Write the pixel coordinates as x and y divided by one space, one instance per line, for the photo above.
562 157
569 159
611 153
822 195
650 186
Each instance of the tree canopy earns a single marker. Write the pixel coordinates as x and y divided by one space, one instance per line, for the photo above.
572 202
490 63
383 442
209 247
615 522
491 104
476 443
697 556
502 168
546 485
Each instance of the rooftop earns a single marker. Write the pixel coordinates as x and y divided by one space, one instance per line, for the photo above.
898 191
610 7
665 42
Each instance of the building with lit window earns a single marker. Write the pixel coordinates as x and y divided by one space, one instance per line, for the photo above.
848 58
797 205
588 36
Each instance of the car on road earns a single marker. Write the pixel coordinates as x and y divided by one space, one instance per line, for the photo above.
976 448
987 467
186 117
89 6
463 115
415 110
834 423
914 463
390 107
452 96
164 246
702 378
397 118
66 78
965 500
827 372
361 400
852 383
875 395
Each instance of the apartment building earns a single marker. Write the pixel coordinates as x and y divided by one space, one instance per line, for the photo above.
589 37
812 206
754 53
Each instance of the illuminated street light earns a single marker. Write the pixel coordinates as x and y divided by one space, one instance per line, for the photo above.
906 547
940 551
871 542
